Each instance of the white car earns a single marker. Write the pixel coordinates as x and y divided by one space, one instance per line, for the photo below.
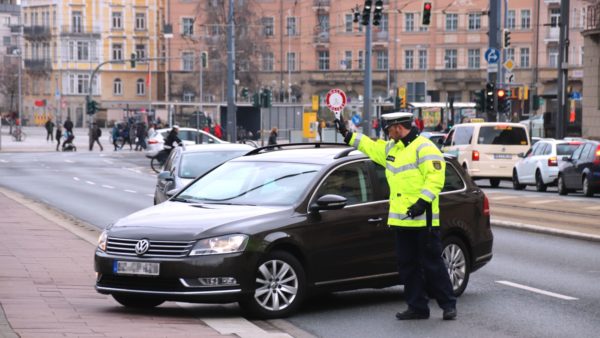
187 135
539 165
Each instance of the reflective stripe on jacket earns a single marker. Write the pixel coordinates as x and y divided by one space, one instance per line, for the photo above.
415 171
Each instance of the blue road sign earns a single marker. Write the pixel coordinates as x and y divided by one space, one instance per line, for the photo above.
492 55
576 95
356 119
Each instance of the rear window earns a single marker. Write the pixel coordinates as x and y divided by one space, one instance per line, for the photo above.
566 149
502 135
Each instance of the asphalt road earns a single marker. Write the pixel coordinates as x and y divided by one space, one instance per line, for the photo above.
535 286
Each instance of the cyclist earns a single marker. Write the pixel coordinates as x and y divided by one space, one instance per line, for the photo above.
173 137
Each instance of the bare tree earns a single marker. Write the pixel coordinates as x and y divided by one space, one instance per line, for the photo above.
9 86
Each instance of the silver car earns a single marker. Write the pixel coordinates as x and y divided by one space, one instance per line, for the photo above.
184 165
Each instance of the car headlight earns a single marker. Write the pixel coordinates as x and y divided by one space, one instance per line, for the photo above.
102 240
220 245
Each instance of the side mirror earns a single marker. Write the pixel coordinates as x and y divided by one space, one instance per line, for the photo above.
567 158
165 176
172 192
328 202
521 155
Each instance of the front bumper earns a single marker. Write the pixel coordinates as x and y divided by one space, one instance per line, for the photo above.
178 277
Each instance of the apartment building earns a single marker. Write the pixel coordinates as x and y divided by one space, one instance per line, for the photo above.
64 41
9 16
315 45
591 70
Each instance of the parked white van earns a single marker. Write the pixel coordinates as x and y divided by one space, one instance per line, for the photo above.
488 150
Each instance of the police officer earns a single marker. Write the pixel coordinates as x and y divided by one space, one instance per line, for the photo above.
415 171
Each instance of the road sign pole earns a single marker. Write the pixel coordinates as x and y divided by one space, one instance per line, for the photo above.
494 43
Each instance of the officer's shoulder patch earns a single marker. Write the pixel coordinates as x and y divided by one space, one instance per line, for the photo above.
390 158
437 165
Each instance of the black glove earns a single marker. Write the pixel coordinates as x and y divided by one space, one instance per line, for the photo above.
417 209
340 125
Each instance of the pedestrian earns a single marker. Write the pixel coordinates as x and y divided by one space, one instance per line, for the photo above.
218 131
68 125
375 126
58 136
49 130
115 135
96 132
320 126
415 172
152 130
141 135
125 136
273 136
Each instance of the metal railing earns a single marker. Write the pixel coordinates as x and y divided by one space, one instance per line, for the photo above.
36 31
593 17
38 64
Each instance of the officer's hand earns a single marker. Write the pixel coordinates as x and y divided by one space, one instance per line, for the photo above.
417 209
341 126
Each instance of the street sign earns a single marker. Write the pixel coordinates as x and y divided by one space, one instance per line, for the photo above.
336 100
492 55
492 68
509 77
509 65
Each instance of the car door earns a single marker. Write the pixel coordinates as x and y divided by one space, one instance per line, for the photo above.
528 164
352 243
459 208
582 163
570 172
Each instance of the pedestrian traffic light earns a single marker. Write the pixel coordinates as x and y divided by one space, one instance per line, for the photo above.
204 59
505 38
92 107
268 98
426 14
133 56
489 96
244 93
480 100
256 100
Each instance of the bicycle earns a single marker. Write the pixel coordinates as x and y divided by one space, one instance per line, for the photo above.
157 161
18 135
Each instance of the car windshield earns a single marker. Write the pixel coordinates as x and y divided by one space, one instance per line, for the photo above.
502 135
566 149
252 183
198 163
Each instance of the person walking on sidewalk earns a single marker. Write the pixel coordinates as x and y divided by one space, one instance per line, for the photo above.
415 172
96 133
58 136
49 130
116 132
68 125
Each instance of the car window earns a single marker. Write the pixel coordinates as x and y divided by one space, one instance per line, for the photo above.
577 152
565 149
186 135
254 183
449 138
592 152
381 181
453 180
502 135
463 135
539 150
584 151
350 181
194 164
547 149
532 150
171 160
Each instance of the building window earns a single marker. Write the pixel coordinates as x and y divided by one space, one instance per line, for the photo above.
450 59
140 87
323 60
451 22
525 19
409 22
187 61
291 26
117 20
117 87
474 58
79 83
474 21
581 56
323 22
348 23
291 61
140 21
385 22
510 54
76 22
267 62
117 51
187 26
83 50
583 18
552 57
423 59
268 24
408 59
347 61
511 20
361 59
140 51
382 60
525 57
554 17
188 96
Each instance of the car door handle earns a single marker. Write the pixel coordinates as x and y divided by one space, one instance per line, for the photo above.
375 220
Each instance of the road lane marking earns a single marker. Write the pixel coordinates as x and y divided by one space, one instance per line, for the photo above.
69 161
76 178
541 202
108 161
596 207
4 161
494 198
107 186
90 182
131 191
540 291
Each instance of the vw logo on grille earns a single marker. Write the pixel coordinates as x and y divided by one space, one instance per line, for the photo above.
142 246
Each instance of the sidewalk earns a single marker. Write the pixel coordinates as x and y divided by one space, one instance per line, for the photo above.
35 140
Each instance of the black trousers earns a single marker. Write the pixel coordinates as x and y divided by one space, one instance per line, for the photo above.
422 270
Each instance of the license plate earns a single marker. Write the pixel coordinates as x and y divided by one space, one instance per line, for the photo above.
136 268
503 156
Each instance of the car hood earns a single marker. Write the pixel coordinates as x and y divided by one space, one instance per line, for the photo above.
186 221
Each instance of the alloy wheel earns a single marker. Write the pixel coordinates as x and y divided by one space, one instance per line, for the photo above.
456 263
278 285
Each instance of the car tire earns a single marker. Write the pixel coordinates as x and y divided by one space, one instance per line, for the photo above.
562 188
587 190
276 296
457 260
515 181
138 302
495 182
540 186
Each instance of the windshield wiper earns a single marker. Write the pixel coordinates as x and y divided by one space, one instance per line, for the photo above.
181 199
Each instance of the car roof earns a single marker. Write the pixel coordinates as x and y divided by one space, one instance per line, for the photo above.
485 124
195 148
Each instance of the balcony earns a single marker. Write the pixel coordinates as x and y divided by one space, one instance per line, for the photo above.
36 32
38 65
321 5
593 18
552 2
89 31
552 34
321 40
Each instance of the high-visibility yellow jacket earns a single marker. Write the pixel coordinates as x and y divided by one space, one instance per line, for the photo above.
415 171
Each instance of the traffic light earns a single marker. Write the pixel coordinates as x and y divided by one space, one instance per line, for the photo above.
92 107
505 38
480 100
256 100
268 98
377 12
133 56
503 101
244 93
426 15
490 90
204 59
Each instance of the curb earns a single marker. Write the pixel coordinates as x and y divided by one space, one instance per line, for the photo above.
545 230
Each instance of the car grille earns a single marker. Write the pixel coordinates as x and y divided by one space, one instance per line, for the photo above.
162 249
